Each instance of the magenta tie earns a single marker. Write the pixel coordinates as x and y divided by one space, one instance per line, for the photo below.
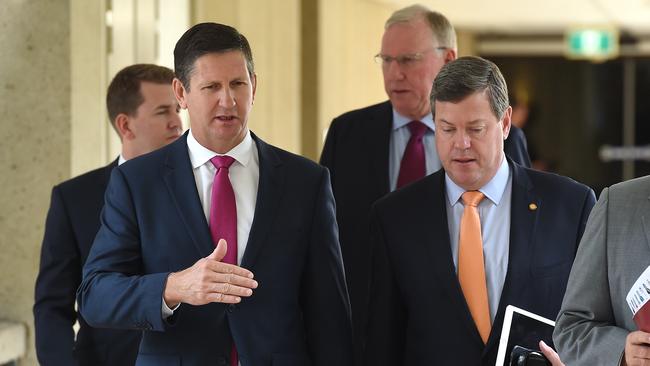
413 165
223 218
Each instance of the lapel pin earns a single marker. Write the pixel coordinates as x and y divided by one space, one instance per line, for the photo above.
532 207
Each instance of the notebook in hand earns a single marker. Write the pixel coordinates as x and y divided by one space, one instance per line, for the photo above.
522 328
637 298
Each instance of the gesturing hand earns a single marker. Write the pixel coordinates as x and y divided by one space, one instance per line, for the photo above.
209 280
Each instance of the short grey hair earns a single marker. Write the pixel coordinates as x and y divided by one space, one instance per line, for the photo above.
441 27
468 75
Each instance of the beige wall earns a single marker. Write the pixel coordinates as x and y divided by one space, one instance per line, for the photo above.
35 153
350 36
88 126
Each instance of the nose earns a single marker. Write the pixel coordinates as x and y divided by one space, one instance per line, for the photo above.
392 70
462 141
226 98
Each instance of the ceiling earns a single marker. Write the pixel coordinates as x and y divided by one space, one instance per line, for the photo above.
540 16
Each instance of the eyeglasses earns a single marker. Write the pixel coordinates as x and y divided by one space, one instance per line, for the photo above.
405 60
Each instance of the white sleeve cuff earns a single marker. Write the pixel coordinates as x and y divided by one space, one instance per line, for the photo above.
166 311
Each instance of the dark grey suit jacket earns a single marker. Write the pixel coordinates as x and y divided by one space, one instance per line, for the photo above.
595 318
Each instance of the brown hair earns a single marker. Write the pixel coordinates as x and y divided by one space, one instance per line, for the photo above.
124 96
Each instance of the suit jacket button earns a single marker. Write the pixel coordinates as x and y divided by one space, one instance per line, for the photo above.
221 361
231 308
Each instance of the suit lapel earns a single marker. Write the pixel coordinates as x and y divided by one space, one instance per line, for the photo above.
269 192
523 217
106 175
108 169
378 135
435 230
179 179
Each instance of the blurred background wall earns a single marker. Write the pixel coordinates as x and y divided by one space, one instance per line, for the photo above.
314 61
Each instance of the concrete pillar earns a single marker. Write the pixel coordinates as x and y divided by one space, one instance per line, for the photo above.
35 148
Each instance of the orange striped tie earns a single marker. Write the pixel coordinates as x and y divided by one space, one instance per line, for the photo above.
471 269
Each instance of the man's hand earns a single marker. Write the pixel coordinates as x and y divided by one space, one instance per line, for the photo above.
209 280
550 354
637 349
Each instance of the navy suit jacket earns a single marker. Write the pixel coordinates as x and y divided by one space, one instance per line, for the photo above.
153 224
356 152
71 225
418 312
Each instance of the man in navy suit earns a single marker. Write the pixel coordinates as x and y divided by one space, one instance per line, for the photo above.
281 299
143 110
365 148
438 293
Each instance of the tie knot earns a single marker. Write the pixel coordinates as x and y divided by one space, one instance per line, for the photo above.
222 161
472 198
417 128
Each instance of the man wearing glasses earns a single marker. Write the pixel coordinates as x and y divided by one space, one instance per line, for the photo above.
378 149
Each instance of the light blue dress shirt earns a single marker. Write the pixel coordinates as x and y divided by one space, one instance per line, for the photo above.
494 211
399 138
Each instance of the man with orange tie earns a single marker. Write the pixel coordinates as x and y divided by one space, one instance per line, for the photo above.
452 250
380 148
221 247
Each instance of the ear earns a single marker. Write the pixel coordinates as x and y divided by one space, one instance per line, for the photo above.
450 55
123 126
507 122
180 93
254 83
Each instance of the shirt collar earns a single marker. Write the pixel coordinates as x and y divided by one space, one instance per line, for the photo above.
400 121
200 155
493 190
121 160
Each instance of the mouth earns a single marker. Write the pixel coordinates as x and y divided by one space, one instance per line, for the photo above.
226 118
463 161
399 91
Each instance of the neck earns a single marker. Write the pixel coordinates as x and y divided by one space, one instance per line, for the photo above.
128 152
415 116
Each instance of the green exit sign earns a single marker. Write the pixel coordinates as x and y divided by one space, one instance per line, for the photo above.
598 43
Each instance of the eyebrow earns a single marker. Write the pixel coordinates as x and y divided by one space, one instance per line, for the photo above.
163 107
471 123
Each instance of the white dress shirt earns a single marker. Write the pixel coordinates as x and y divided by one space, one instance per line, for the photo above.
399 138
244 176
494 211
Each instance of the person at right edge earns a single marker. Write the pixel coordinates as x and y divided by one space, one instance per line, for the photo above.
378 149
595 325
453 249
